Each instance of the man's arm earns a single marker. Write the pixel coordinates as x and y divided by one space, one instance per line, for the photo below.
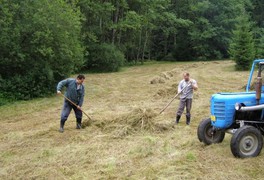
82 97
194 84
60 85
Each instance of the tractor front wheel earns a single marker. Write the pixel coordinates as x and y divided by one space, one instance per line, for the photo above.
209 135
246 142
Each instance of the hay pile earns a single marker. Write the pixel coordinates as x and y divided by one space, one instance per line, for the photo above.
165 75
98 123
161 78
137 120
157 79
167 92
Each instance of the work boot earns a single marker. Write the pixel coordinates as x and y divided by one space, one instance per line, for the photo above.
62 127
178 117
188 120
79 123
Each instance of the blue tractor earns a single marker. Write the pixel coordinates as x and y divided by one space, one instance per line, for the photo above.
241 114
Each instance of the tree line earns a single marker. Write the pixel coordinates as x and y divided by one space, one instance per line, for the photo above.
44 41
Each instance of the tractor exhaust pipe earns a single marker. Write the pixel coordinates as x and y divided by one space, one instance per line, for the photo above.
258 89
258 86
241 107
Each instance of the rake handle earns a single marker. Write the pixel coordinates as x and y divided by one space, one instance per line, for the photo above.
76 106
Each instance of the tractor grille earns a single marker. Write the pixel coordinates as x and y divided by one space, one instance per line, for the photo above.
219 110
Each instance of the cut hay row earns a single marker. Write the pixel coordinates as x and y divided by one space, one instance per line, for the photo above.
137 120
168 75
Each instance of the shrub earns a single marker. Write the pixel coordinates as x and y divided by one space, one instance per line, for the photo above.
104 58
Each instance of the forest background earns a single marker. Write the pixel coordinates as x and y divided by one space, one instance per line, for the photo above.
45 41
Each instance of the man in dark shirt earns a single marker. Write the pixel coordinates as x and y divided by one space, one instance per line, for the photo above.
75 92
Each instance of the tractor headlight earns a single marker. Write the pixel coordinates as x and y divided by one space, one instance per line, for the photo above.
238 106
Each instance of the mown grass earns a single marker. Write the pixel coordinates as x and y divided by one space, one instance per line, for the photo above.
32 148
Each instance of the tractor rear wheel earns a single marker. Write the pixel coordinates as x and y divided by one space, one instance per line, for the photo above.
246 142
209 135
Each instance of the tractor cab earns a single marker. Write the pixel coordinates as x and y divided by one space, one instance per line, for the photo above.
241 114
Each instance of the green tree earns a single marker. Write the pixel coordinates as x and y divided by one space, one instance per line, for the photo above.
259 43
208 36
40 44
242 46
166 30
257 12
212 28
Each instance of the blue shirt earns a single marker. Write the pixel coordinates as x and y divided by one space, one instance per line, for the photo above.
72 92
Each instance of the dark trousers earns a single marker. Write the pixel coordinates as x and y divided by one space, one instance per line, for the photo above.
66 110
185 103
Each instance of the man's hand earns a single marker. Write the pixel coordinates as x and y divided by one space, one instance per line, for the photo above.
194 86
58 92
79 107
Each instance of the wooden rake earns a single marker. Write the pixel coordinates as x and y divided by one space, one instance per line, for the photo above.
77 106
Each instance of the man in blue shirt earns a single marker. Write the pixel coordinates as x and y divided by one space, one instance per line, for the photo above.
186 87
75 92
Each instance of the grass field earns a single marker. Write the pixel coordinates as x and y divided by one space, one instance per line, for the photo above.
32 148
